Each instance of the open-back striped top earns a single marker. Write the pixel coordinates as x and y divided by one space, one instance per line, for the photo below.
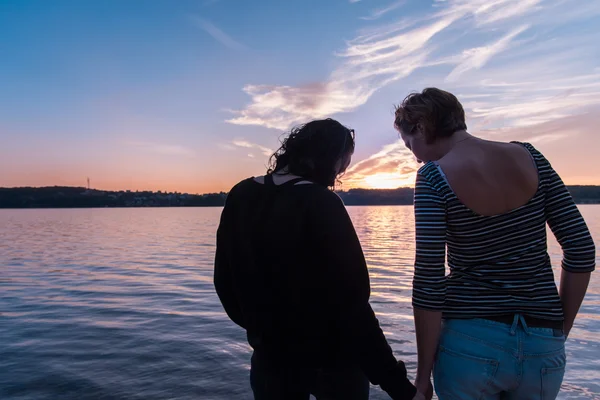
498 264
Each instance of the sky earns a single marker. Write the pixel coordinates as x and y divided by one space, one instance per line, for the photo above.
193 95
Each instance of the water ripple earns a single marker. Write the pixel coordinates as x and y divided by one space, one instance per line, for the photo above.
119 304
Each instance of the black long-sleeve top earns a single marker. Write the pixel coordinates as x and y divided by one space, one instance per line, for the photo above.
289 269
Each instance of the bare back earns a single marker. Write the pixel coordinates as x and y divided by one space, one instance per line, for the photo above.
490 178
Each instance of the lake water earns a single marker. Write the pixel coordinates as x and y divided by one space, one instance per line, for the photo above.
119 304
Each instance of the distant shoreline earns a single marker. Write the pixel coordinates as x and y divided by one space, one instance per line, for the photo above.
79 197
177 207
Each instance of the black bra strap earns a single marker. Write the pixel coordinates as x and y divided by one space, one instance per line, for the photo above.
269 180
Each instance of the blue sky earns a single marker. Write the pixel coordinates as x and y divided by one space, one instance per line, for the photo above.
192 95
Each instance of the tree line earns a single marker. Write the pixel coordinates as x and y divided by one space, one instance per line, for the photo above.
78 197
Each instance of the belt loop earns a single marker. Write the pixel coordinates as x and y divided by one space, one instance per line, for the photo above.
558 332
525 327
515 324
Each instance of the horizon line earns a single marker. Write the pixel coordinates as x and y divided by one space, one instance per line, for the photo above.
214 192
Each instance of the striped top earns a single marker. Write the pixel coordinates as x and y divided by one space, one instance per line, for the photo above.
498 264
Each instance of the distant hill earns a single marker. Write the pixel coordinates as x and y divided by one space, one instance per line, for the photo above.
404 196
78 197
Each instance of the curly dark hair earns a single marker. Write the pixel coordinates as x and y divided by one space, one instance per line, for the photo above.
439 113
313 150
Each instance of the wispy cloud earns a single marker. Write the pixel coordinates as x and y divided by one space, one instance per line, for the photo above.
392 166
516 71
376 59
248 145
549 137
218 34
226 146
490 11
162 148
380 12
552 130
369 65
477 57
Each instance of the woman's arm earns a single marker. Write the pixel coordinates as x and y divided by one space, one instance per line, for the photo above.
579 251
573 287
428 326
429 282
223 274
348 297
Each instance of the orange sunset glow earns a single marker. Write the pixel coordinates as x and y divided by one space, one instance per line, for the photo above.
206 104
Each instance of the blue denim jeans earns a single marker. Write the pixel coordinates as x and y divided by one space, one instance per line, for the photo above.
480 359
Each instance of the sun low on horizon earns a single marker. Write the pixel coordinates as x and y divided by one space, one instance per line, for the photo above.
194 96
387 181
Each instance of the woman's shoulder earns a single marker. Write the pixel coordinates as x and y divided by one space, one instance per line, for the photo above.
542 163
245 183
310 190
429 168
431 173
320 198
241 188
535 153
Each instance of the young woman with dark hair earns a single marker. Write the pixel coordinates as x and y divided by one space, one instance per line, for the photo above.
290 270
495 327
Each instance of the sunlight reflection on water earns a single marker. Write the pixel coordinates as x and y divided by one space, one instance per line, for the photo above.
119 304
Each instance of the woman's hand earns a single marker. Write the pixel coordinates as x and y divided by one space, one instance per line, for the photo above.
424 388
573 287
419 396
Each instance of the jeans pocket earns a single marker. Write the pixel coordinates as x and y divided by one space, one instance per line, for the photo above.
462 376
552 378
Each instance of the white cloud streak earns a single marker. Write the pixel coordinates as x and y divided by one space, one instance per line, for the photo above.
217 34
248 145
367 68
490 11
380 12
392 159
477 57
516 73
162 148
376 59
